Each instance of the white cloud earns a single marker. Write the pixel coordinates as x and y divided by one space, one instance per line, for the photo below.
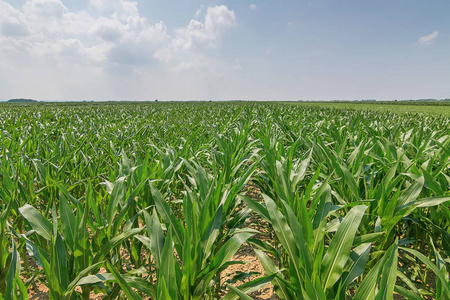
48 9
209 33
269 50
199 11
52 49
119 9
194 63
253 6
191 41
428 39
107 31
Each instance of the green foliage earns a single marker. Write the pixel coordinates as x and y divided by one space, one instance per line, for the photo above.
153 200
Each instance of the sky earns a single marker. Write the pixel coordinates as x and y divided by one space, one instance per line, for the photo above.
224 50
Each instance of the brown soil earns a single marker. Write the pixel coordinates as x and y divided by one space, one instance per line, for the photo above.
37 290
246 254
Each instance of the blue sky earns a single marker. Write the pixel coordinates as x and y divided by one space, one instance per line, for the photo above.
235 49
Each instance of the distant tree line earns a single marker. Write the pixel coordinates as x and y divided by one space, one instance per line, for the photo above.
22 100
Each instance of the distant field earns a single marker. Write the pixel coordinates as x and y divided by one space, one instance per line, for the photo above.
430 108
403 107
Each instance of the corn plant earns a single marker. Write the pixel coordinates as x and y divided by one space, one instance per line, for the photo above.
356 202
203 248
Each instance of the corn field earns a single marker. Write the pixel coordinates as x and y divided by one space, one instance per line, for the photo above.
152 200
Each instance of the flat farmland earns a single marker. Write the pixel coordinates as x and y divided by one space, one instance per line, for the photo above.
229 200
434 108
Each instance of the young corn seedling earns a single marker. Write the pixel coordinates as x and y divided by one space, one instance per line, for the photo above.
202 249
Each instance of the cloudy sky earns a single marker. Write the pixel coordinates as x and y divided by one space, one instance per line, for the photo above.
230 49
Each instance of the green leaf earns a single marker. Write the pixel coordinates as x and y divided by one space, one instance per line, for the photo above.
211 233
432 266
40 224
306 258
239 293
114 242
167 215
163 291
125 287
339 250
58 257
249 287
68 222
389 275
360 257
117 196
169 265
135 282
407 293
61 262
280 287
127 206
256 207
445 241
350 181
410 194
432 184
80 277
367 238
156 236
368 287
220 259
227 251
411 206
283 232
14 269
